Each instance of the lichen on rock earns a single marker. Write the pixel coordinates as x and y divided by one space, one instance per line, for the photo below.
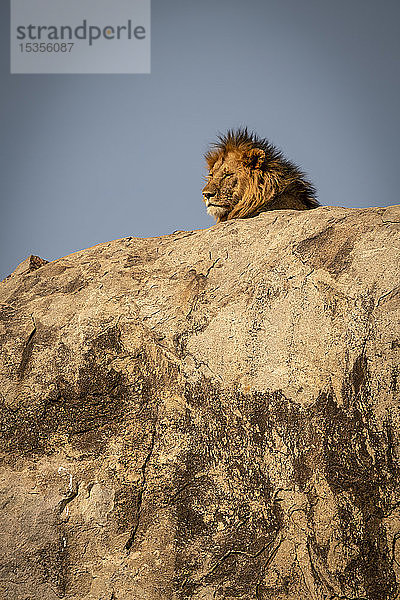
206 415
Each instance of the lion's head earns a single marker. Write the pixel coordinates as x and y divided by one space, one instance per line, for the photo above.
248 175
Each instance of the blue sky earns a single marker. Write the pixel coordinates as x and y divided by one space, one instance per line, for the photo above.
90 158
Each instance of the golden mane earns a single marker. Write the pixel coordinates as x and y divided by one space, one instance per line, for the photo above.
269 182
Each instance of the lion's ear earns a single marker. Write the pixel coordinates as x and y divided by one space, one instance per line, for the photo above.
254 158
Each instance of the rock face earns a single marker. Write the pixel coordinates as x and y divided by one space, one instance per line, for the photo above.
206 415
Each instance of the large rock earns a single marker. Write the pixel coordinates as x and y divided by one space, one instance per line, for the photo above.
206 415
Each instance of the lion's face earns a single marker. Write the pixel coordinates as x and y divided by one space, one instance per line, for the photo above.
248 175
225 185
228 180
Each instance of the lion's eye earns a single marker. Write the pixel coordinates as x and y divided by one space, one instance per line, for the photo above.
227 175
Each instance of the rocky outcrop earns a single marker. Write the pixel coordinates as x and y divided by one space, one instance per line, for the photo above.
206 415
28 265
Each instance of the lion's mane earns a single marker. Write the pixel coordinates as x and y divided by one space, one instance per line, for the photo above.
269 180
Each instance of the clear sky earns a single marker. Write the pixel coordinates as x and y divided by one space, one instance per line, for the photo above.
90 158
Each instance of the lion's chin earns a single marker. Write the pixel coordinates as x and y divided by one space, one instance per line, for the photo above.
217 211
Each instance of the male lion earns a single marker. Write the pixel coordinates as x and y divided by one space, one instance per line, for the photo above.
248 175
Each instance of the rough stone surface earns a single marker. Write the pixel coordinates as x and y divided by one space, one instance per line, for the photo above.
28 265
206 415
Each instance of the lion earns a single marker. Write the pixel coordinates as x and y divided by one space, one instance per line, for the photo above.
248 175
